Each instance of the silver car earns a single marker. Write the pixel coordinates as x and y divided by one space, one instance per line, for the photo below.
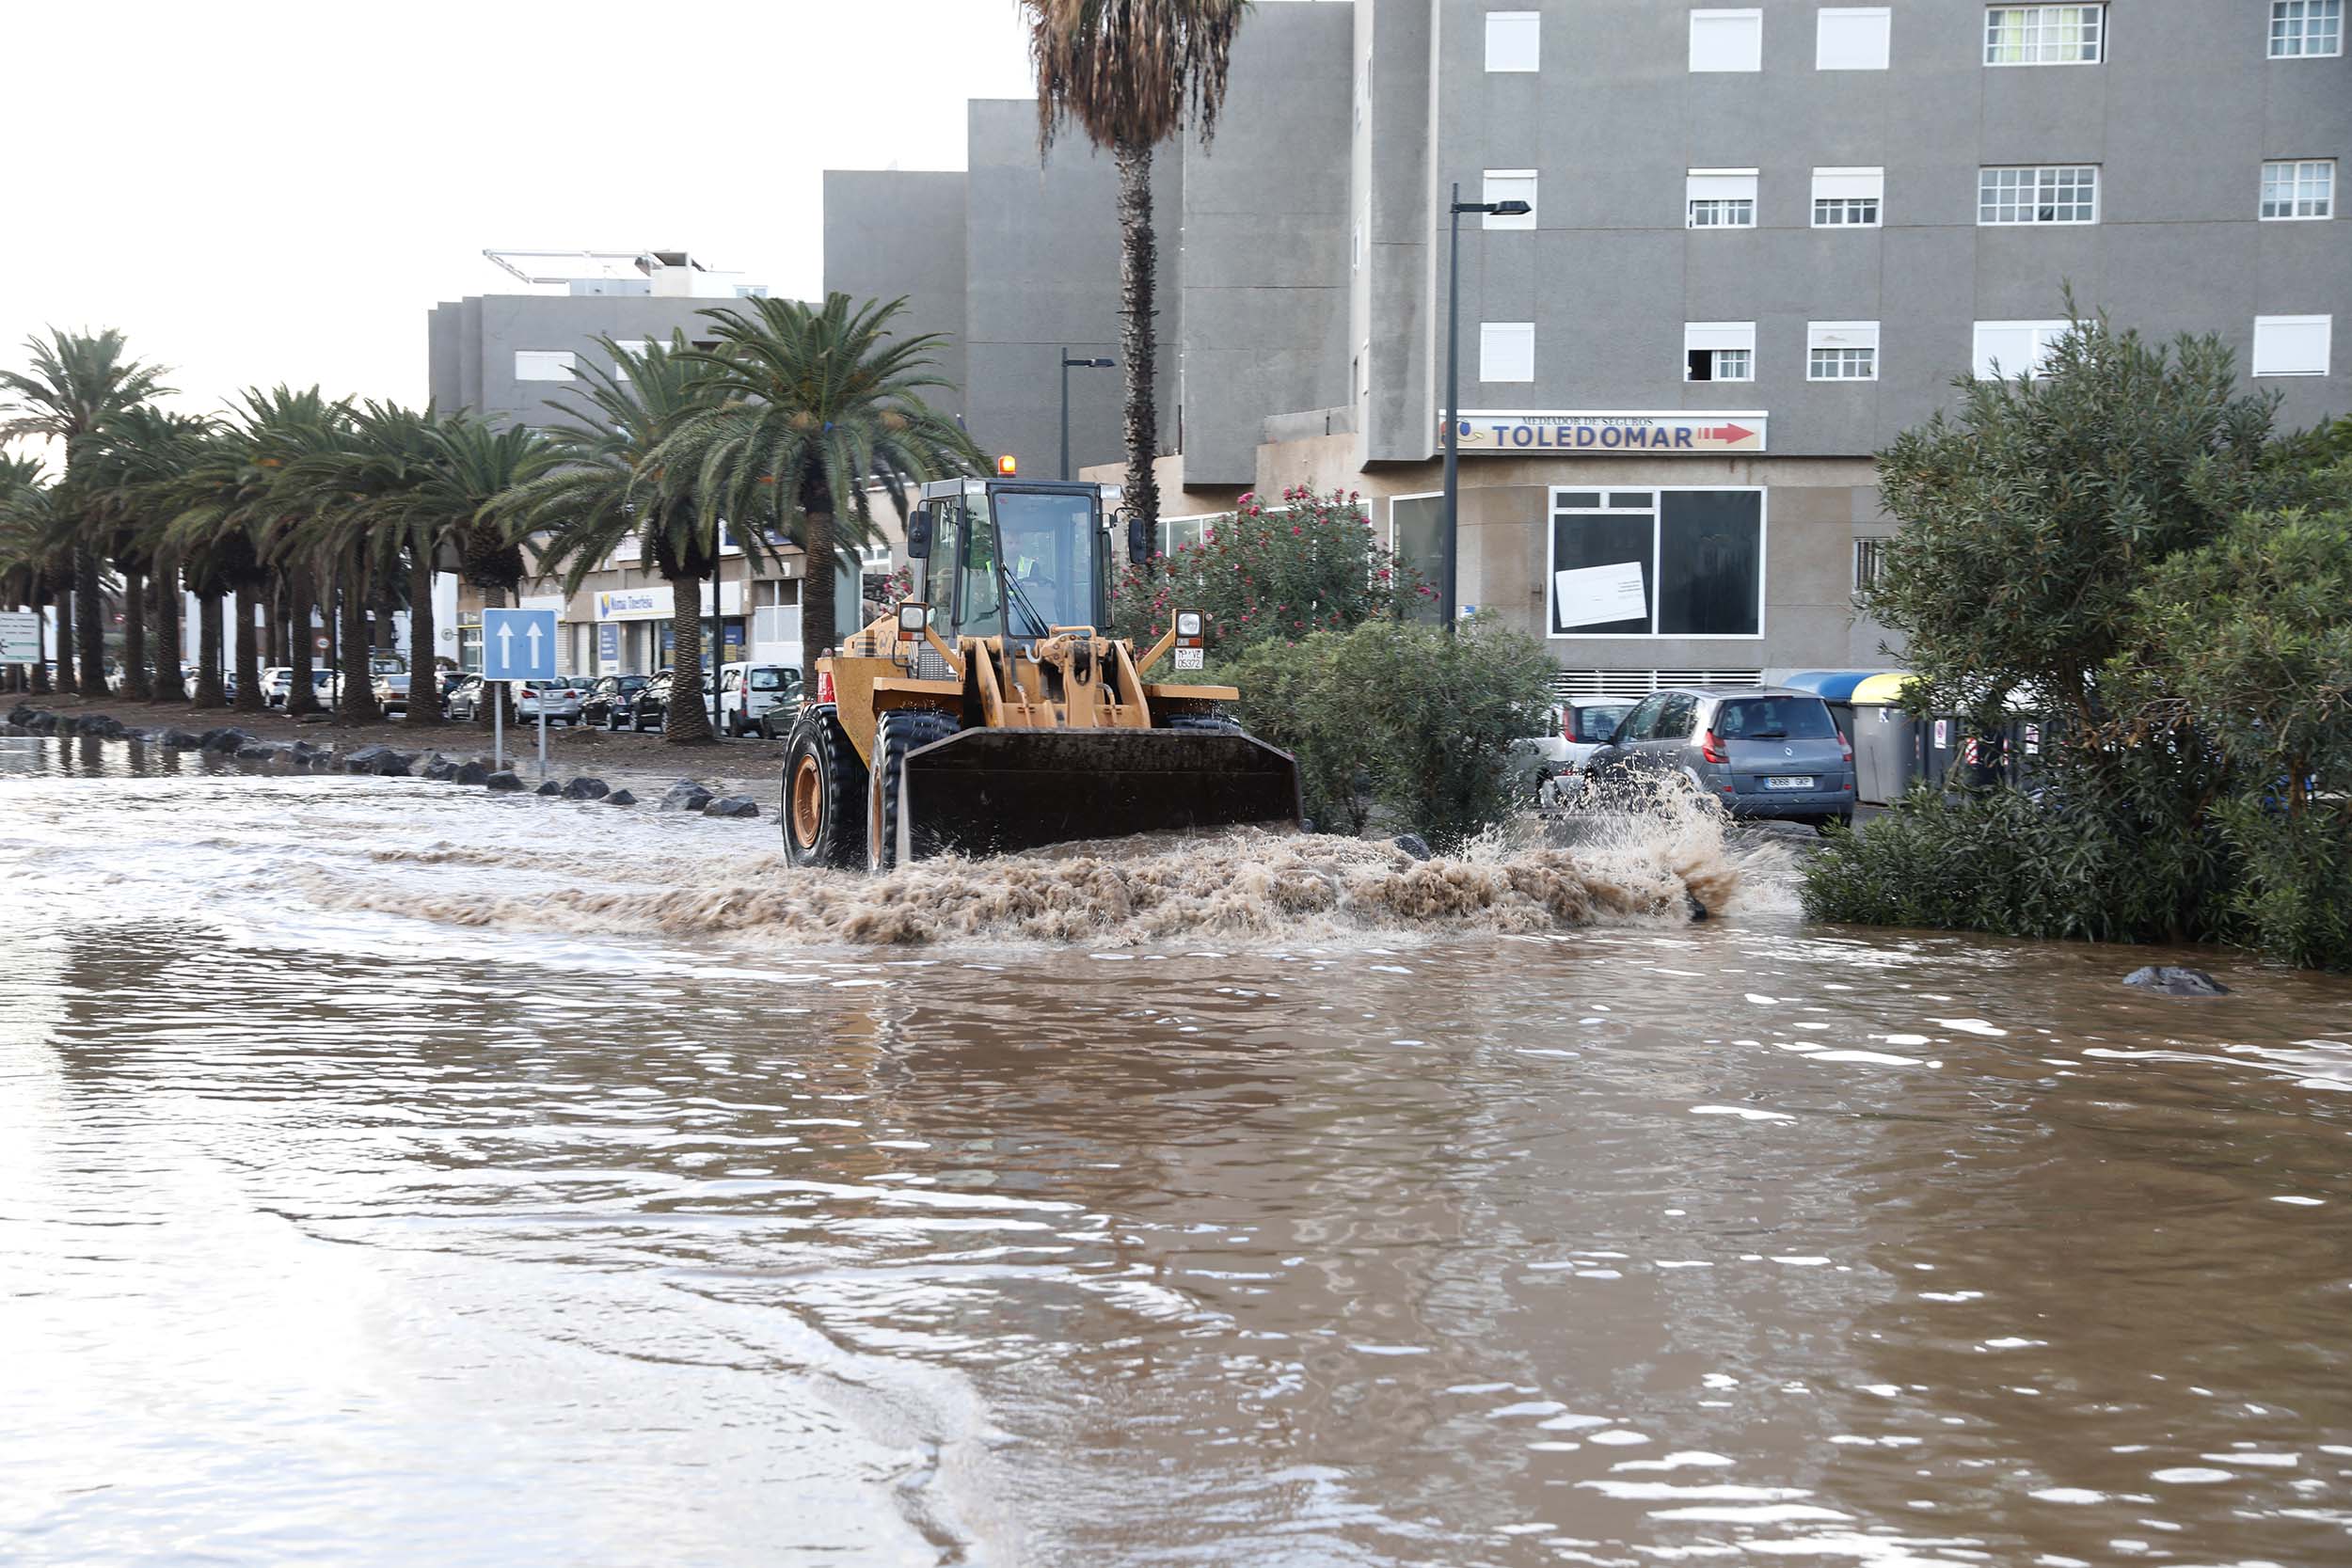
558 699
1764 751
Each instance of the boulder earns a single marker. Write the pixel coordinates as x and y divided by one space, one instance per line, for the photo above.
732 805
364 759
256 751
509 780
440 769
2170 980
620 797
22 712
470 773
182 740
322 716
685 795
224 739
1413 844
549 787
587 789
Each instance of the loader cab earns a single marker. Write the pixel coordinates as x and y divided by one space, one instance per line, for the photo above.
1014 558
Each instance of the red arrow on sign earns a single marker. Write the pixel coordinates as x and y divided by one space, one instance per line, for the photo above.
1726 433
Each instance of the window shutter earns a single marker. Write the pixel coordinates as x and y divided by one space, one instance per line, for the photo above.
2291 345
1853 37
1831 185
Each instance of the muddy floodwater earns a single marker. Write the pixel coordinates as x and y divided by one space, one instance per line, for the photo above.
393 1174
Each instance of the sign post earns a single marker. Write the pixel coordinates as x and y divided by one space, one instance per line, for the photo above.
517 645
20 637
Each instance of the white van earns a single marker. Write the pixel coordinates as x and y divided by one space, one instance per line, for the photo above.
758 699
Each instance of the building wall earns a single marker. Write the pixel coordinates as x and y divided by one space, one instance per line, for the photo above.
1265 242
472 343
892 235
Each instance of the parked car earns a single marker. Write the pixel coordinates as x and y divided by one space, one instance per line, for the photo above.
758 699
1764 751
648 707
392 693
1579 727
607 701
277 682
466 700
559 699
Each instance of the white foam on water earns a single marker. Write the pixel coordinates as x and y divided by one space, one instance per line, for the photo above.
1757 1513
2266 1461
2074 1495
1666 1491
2191 1475
2304 1202
1968 1025
1527 1407
1743 1112
1571 1421
1686 1459
1874 1059
1618 1437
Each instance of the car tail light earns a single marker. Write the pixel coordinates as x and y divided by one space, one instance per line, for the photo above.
1568 724
1845 748
1712 748
824 686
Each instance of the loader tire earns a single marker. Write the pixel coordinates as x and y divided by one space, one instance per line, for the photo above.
906 730
824 785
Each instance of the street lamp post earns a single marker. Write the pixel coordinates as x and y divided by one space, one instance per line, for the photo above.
1448 549
1067 364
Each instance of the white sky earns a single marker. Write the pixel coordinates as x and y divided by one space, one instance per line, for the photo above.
258 190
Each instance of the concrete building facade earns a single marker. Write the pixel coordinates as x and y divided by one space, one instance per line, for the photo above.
1765 239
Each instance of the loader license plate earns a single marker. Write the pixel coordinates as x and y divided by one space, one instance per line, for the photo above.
1801 783
1188 659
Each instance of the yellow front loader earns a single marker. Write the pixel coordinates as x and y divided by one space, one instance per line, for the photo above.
991 713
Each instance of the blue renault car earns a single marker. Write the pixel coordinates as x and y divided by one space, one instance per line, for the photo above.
1762 750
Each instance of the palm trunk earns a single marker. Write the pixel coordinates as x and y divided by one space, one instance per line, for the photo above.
249 657
818 610
356 704
89 613
424 687
40 596
68 683
136 683
687 724
273 627
208 687
301 690
170 687
1138 260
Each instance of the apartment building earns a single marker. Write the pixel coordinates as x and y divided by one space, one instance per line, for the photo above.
1762 240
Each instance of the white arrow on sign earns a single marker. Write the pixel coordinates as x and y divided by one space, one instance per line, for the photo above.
506 644
533 635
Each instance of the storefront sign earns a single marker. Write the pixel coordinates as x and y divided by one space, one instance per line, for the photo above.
608 648
634 604
1508 433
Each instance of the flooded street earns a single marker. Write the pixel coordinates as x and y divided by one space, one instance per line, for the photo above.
391 1174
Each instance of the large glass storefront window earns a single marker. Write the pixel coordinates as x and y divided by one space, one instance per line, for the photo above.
1657 564
1416 525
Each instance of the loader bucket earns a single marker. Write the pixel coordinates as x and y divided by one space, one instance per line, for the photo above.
986 792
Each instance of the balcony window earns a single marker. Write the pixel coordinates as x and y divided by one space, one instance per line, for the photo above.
2045 35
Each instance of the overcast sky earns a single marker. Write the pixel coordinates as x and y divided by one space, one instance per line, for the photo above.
260 192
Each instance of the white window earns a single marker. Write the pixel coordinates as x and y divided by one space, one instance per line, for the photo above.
1720 198
1510 184
2045 35
543 364
1727 40
2302 29
2007 348
1506 351
1841 351
1719 351
2053 193
2291 345
1511 40
1847 198
2299 188
1853 37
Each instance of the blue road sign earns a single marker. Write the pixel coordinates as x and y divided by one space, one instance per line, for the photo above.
517 645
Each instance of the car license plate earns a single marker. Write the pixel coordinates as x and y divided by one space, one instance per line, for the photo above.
1798 783
1188 659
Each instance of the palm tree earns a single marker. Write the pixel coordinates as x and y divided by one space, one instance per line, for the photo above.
78 382
143 453
813 409
605 487
1129 72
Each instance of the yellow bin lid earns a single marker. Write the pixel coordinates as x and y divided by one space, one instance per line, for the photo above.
1884 689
